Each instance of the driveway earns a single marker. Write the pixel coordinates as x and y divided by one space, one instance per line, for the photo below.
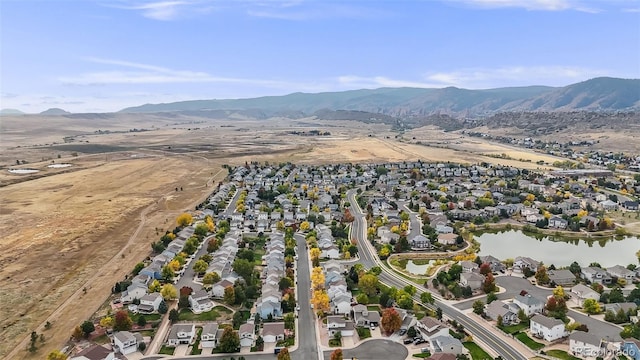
181 350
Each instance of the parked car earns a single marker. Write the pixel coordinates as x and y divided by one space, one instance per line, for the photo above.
419 341
402 332
372 326
408 341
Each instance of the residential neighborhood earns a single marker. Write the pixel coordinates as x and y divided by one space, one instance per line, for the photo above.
225 279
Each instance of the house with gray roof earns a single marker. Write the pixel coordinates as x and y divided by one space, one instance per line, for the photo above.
208 338
547 328
584 344
529 304
446 344
181 334
125 342
561 277
364 317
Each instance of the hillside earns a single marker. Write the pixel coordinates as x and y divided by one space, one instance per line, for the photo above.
599 94
55 111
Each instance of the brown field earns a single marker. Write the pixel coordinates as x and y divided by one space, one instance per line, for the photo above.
86 226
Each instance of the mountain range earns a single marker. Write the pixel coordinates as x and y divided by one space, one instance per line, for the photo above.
598 94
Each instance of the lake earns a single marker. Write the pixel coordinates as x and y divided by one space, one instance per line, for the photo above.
560 252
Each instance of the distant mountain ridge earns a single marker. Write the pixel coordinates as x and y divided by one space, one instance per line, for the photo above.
55 111
599 94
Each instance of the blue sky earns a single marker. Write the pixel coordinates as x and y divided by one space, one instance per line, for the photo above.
95 56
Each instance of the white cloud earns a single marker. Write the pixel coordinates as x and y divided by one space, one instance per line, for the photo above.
475 78
137 73
352 81
165 10
542 5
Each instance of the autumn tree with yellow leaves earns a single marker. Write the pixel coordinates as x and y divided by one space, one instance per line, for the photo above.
184 219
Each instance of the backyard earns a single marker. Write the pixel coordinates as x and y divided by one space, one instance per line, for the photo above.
532 344
476 351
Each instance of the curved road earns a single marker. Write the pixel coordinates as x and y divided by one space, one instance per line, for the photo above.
370 259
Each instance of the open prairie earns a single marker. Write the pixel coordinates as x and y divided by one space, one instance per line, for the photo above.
85 226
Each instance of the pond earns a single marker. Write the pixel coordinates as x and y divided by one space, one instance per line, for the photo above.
417 269
559 251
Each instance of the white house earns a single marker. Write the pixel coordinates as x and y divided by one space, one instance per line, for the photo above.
363 317
621 272
584 344
150 303
473 280
273 332
469 266
208 337
339 324
595 275
217 290
583 292
181 334
246 335
124 342
529 304
200 302
341 303
499 308
331 252
547 328
431 328
134 291
446 344
95 352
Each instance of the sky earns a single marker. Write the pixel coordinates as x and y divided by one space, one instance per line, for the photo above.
103 56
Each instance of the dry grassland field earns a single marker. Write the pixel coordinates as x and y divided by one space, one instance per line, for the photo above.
87 225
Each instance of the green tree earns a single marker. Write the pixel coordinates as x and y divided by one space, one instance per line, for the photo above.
541 275
87 328
142 321
289 321
591 306
139 266
201 230
167 273
163 308
174 315
362 298
168 292
244 268
410 289
439 313
478 307
285 283
426 298
200 266
368 283
210 278
229 341
491 297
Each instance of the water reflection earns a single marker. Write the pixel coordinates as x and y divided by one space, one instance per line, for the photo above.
558 250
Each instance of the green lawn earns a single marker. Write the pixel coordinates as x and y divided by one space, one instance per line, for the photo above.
102 339
533 345
195 350
476 351
561 355
512 329
373 307
222 310
148 317
335 343
421 355
187 315
165 350
363 332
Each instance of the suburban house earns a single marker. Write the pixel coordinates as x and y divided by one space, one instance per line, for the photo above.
246 334
631 348
181 334
609 205
522 262
499 308
561 277
473 280
446 344
556 222
150 303
547 328
363 317
420 242
269 305
469 266
94 352
621 272
595 275
529 304
584 344
200 302
217 290
447 238
431 328
631 205
125 342
495 263
625 306
336 323
583 292
341 302
273 332
134 291
208 338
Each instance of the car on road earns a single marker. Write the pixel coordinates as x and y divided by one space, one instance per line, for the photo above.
298 308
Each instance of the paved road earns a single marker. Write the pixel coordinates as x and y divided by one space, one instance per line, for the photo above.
373 350
368 259
308 345
415 225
